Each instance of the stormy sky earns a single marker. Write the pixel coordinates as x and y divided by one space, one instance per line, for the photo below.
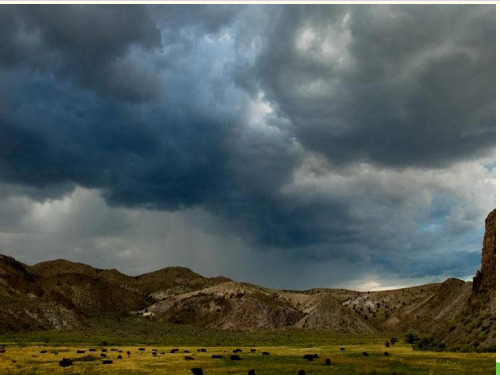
293 146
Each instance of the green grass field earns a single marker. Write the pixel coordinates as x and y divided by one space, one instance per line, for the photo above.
133 330
22 354
282 360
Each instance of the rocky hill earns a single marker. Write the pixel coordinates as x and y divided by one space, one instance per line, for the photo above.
157 285
23 305
174 280
385 310
326 312
62 294
438 310
231 305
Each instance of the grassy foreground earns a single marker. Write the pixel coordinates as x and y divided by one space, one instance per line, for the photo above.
282 360
132 330
22 352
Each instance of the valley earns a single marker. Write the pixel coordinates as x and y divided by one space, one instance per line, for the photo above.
53 309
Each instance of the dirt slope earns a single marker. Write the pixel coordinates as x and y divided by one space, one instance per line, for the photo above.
383 309
326 312
161 283
59 294
22 302
436 311
90 295
231 305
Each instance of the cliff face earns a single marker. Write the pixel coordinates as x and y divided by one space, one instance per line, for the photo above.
485 281
475 326
483 296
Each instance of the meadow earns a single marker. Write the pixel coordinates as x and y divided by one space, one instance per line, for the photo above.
286 347
282 360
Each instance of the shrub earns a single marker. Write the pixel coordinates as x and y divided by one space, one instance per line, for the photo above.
394 340
429 343
411 337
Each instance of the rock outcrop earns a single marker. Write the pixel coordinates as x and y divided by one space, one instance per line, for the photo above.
475 326
484 283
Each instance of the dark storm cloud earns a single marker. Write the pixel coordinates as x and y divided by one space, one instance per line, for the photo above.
391 85
93 45
110 147
197 19
297 127
87 44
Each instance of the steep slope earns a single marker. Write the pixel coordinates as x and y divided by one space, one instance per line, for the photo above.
58 294
435 312
326 312
475 326
15 277
246 307
22 302
159 284
89 295
92 290
382 309
231 305
87 289
174 280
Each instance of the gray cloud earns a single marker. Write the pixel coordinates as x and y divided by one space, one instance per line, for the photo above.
98 47
313 139
391 85
89 45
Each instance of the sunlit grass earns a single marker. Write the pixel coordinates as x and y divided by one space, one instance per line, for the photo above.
286 347
283 360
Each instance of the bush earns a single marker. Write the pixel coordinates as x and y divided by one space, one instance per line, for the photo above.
429 343
412 337
394 340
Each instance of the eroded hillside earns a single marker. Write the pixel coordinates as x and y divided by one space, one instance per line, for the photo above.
61 294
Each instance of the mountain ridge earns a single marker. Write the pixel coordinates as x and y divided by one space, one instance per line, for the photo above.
61 295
